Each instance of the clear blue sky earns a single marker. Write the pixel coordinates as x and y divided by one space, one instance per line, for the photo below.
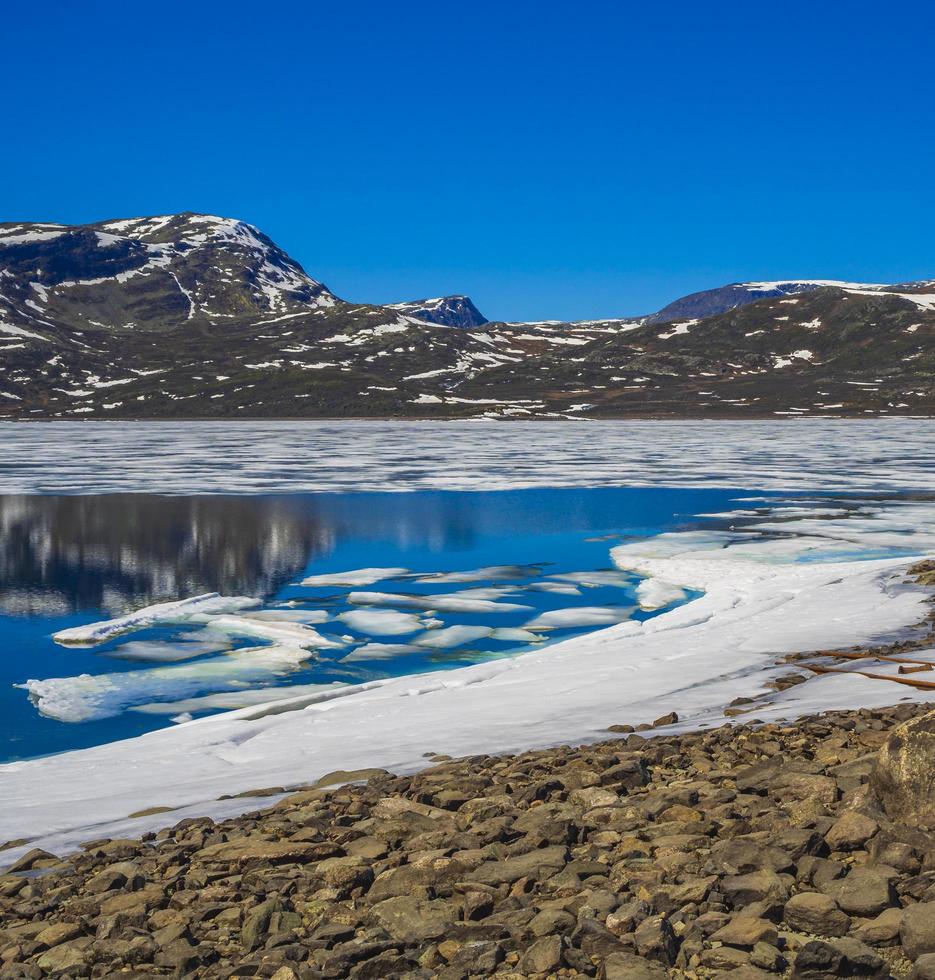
550 159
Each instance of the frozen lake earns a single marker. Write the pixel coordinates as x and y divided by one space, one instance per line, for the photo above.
536 583
271 457
481 567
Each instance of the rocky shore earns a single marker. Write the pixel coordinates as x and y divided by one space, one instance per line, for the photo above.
803 850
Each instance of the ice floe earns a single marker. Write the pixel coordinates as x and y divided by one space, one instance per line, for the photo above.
468 601
179 611
452 636
353 579
381 622
579 616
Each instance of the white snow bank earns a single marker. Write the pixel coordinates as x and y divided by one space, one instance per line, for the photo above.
179 611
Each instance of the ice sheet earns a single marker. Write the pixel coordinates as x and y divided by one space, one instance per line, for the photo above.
259 457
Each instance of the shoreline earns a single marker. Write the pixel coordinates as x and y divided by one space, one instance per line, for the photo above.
534 700
756 848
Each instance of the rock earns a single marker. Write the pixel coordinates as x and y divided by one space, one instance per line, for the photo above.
592 797
843 958
256 924
30 860
924 968
65 959
724 958
480 958
767 957
544 956
757 886
285 973
629 966
746 930
790 787
412 920
655 940
815 913
58 933
881 931
917 930
904 777
851 831
538 864
670 719
747 972
864 892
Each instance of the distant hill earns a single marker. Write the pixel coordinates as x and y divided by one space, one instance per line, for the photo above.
197 316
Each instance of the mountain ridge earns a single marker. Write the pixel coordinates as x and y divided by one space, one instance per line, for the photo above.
193 315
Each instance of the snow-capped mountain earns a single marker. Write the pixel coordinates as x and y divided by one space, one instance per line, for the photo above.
710 302
198 316
452 311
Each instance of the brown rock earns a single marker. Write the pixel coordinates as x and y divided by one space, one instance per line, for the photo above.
851 831
757 886
864 892
655 940
904 777
917 930
629 966
839 958
746 930
923 968
816 913
544 956
412 920
881 931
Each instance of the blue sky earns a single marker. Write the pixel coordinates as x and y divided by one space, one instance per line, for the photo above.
550 159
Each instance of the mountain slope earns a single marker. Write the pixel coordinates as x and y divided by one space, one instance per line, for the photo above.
196 316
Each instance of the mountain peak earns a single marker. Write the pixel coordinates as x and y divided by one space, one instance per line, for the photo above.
449 311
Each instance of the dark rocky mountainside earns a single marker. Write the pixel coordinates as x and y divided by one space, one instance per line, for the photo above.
197 316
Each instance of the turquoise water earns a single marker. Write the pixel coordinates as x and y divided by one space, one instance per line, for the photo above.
72 560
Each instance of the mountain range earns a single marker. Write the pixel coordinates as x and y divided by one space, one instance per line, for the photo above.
196 316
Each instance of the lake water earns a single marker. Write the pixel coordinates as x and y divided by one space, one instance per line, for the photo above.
99 519
71 560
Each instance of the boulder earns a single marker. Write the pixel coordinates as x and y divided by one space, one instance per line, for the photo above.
655 940
746 930
881 931
864 892
815 913
917 930
543 956
851 831
629 966
924 968
412 920
841 958
903 779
